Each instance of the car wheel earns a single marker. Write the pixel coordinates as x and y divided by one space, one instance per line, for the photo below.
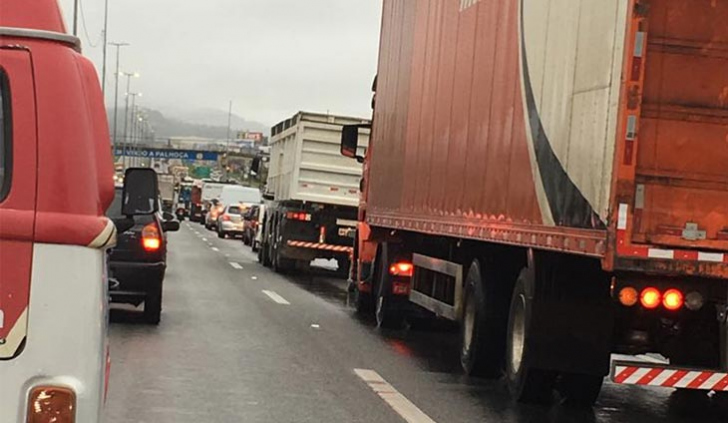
153 305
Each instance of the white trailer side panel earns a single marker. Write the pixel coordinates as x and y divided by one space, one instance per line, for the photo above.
306 163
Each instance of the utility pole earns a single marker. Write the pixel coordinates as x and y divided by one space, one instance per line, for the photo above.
133 119
106 44
75 18
116 92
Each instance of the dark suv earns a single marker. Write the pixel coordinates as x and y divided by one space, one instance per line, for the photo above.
139 260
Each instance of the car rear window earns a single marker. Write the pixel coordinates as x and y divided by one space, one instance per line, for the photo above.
115 208
5 132
233 210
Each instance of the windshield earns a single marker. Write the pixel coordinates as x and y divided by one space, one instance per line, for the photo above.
233 210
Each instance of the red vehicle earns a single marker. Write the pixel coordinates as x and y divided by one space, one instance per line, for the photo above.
56 181
197 213
562 196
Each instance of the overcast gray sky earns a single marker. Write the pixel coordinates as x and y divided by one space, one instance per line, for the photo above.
271 57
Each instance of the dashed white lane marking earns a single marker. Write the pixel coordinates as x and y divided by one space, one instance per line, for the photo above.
275 297
236 265
392 397
315 326
215 249
204 239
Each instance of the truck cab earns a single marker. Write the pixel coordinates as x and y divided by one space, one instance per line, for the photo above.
56 181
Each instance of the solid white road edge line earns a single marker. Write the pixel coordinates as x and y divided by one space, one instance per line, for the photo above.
275 297
392 397
236 265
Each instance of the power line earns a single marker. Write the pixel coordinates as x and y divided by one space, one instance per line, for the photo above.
85 28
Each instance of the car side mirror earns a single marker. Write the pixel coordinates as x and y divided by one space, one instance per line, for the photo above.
170 226
141 189
167 216
350 141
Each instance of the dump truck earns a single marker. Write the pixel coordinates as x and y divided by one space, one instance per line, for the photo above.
551 175
314 193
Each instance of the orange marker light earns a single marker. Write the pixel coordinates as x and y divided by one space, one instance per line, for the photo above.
401 269
628 296
51 404
650 298
673 300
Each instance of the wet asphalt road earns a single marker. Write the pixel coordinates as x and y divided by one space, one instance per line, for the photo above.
228 352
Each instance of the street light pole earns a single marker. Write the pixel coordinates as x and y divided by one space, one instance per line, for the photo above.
116 93
126 113
106 44
75 18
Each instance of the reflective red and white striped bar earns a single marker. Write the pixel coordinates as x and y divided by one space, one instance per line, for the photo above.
645 374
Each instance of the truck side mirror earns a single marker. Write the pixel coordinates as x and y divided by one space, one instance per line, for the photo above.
350 141
141 190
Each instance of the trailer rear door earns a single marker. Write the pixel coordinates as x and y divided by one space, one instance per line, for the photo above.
681 192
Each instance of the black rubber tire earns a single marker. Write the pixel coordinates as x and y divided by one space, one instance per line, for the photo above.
482 332
387 309
221 234
363 302
246 239
280 264
578 390
526 383
153 305
343 266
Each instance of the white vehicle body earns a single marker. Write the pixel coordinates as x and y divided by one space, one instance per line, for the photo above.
78 355
306 164
234 194
211 191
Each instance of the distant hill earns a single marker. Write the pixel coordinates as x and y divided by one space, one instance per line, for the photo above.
205 123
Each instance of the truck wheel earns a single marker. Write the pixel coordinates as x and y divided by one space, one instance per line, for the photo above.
153 305
387 310
343 266
281 264
483 328
578 390
221 234
526 383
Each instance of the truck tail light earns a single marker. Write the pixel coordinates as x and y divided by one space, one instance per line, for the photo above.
151 240
694 301
304 217
650 298
628 296
401 269
673 300
51 404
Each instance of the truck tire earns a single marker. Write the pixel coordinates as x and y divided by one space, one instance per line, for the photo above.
579 390
280 264
526 383
221 234
153 305
387 310
482 331
343 265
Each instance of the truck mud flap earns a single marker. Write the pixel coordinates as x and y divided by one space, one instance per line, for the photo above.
572 337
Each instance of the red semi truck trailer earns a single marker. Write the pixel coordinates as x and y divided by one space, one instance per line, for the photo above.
552 175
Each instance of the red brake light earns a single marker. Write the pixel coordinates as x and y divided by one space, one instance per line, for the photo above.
401 269
150 237
298 216
673 300
650 298
225 218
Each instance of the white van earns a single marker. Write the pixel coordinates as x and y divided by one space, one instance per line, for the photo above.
234 194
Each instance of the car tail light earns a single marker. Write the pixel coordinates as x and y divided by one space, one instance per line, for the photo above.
401 269
51 404
650 298
628 296
305 217
673 300
151 240
225 218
